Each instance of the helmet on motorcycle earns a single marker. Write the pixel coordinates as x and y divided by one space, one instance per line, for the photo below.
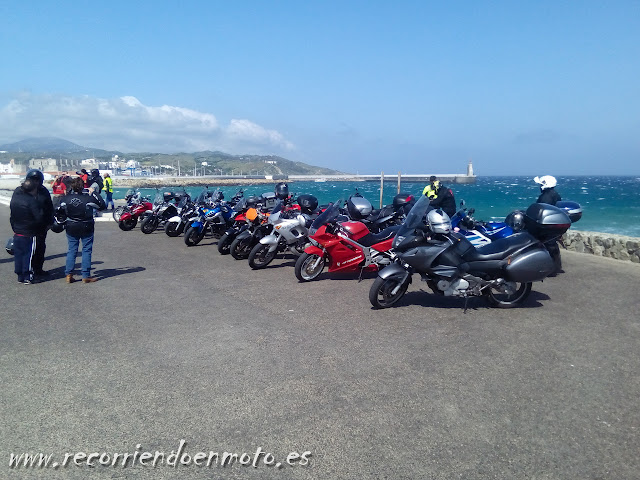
547 181
439 221
282 190
515 220
9 246
36 175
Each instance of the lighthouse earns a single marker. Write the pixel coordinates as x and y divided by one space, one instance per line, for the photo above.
470 169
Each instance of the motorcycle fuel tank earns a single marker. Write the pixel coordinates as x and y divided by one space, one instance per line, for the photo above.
356 230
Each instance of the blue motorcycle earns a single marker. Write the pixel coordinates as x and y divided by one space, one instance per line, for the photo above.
213 216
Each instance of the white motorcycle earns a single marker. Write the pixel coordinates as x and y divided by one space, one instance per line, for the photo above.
289 234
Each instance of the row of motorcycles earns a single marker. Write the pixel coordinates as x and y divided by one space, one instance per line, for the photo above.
457 256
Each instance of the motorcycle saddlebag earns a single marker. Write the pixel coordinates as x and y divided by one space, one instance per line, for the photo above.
308 203
573 209
546 222
532 265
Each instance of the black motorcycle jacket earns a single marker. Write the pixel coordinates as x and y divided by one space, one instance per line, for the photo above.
445 200
27 216
550 196
79 208
43 198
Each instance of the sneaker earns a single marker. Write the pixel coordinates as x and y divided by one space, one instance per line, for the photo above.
29 282
89 280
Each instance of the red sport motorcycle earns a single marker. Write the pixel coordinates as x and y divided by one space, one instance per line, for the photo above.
129 218
343 245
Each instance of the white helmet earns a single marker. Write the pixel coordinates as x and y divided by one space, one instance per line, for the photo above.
439 221
546 181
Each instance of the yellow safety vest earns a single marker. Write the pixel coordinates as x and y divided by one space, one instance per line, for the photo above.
432 192
108 185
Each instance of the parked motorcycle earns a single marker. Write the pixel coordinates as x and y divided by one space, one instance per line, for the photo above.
129 218
131 198
256 226
290 228
502 271
343 245
360 209
176 225
214 219
166 205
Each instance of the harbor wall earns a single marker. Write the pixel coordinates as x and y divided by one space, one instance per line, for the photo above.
609 245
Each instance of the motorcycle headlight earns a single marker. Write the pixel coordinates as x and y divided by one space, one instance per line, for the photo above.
397 240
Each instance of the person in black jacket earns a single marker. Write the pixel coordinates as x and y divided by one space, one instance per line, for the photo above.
549 195
26 219
548 192
79 208
43 198
443 198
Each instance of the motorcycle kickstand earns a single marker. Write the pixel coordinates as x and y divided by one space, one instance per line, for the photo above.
360 276
466 301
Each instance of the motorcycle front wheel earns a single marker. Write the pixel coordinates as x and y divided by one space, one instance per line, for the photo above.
309 266
241 248
385 292
260 256
193 237
118 211
224 244
149 225
508 294
128 224
172 229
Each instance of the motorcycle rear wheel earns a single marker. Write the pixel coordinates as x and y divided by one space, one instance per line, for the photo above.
260 256
128 224
510 295
118 211
172 229
193 237
385 292
224 244
149 225
241 248
309 266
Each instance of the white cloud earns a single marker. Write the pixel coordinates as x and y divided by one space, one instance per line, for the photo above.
127 125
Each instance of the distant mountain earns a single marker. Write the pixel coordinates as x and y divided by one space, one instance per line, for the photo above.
42 144
44 147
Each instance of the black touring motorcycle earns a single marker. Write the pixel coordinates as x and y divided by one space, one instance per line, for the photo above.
502 271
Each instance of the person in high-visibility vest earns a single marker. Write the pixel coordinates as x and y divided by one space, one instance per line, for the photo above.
431 190
108 188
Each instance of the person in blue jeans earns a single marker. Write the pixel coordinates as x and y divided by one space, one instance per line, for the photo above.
79 208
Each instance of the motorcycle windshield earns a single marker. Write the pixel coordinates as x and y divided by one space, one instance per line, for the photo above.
217 196
415 218
159 198
275 213
241 205
329 215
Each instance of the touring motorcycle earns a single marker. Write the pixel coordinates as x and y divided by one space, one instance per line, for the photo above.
343 245
166 205
502 271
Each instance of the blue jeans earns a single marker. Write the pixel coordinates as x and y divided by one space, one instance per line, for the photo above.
87 249
110 200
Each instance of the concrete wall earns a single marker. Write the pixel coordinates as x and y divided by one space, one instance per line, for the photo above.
603 244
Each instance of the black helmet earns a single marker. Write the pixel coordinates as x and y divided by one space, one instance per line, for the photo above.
282 191
9 246
95 172
36 175
515 220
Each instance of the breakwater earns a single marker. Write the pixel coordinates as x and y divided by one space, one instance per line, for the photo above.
609 245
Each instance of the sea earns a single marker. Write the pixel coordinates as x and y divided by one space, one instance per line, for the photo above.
611 204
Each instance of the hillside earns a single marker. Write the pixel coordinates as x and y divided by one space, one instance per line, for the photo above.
216 162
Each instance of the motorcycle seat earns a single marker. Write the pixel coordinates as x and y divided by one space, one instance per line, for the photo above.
500 248
373 238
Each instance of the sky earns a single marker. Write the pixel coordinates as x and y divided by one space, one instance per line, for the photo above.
533 87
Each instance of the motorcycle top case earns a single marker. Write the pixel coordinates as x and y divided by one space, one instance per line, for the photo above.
546 222
308 203
402 199
573 209
269 199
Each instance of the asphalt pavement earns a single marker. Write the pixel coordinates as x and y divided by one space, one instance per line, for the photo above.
176 343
